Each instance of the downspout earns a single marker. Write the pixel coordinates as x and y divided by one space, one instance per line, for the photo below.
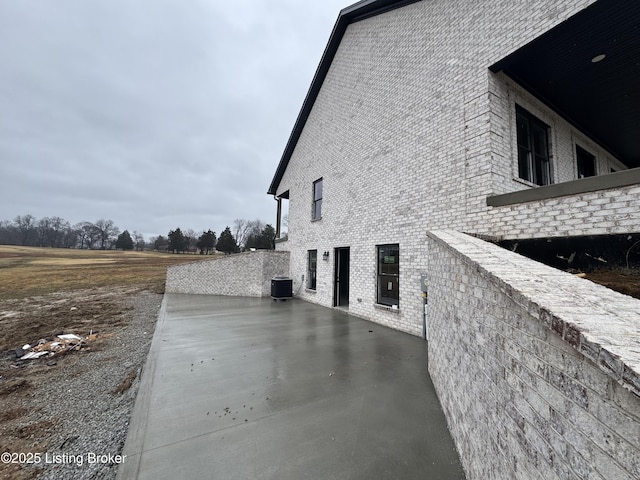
278 215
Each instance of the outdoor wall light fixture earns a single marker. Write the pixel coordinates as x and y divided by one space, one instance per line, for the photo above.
598 58
325 256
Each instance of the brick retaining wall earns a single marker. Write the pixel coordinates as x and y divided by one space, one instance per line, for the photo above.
243 274
538 371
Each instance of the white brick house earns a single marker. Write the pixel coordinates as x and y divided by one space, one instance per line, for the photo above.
430 120
425 115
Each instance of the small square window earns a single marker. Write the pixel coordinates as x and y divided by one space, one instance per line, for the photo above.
316 212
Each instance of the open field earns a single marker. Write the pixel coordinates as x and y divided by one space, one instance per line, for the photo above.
76 401
28 271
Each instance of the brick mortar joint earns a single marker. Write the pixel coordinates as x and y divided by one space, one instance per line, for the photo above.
615 360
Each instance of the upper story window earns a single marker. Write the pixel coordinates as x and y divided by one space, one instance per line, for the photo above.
388 275
586 163
533 148
316 212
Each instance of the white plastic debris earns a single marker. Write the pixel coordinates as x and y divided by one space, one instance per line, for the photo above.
69 336
32 355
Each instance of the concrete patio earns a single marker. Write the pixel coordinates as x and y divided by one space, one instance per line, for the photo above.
249 388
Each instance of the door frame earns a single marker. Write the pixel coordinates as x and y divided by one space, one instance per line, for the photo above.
342 261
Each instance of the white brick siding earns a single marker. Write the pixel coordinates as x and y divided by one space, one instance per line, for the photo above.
410 132
612 211
245 274
531 386
537 370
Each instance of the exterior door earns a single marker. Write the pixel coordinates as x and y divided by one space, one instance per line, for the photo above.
341 287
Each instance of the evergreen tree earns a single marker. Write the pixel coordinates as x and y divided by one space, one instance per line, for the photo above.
207 242
124 241
177 241
160 243
262 240
268 237
226 242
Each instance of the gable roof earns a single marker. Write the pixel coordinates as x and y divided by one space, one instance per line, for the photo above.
354 13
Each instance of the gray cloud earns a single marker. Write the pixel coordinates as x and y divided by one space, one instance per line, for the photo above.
156 113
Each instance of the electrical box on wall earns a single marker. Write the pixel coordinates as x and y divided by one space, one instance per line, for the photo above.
423 282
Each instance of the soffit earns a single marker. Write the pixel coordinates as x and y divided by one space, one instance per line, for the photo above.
601 99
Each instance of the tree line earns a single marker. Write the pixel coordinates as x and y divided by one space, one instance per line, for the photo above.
247 235
57 232
103 234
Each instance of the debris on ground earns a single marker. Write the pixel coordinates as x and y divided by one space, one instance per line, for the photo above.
59 345
42 400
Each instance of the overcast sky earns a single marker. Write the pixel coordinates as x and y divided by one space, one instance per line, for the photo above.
155 114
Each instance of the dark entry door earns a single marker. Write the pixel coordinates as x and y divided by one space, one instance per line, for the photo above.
341 288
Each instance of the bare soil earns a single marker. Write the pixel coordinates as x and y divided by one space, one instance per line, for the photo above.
79 401
106 318
625 281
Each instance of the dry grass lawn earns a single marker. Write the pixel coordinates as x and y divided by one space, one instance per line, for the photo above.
29 271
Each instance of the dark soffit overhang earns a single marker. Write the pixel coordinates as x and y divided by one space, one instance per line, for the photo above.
601 99
354 13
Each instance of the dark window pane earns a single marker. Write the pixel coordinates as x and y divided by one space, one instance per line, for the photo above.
317 209
388 275
317 200
586 163
312 269
533 148
523 164
388 290
317 190
541 171
523 131
540 140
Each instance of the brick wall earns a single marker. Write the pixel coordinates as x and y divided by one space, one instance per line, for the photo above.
611 211
406 132
538 371
243 274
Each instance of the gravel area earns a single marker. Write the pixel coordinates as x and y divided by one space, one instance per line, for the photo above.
75 411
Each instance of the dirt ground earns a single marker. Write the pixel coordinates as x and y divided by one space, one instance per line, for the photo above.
96 296
620 280
97 315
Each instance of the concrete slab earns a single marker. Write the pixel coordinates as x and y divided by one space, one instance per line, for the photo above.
238 387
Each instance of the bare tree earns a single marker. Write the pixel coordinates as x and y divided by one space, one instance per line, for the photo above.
71 237
58 228
9 234
44 231
138 240
240 228
245 228
191 238
87 234
26 225
107 232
